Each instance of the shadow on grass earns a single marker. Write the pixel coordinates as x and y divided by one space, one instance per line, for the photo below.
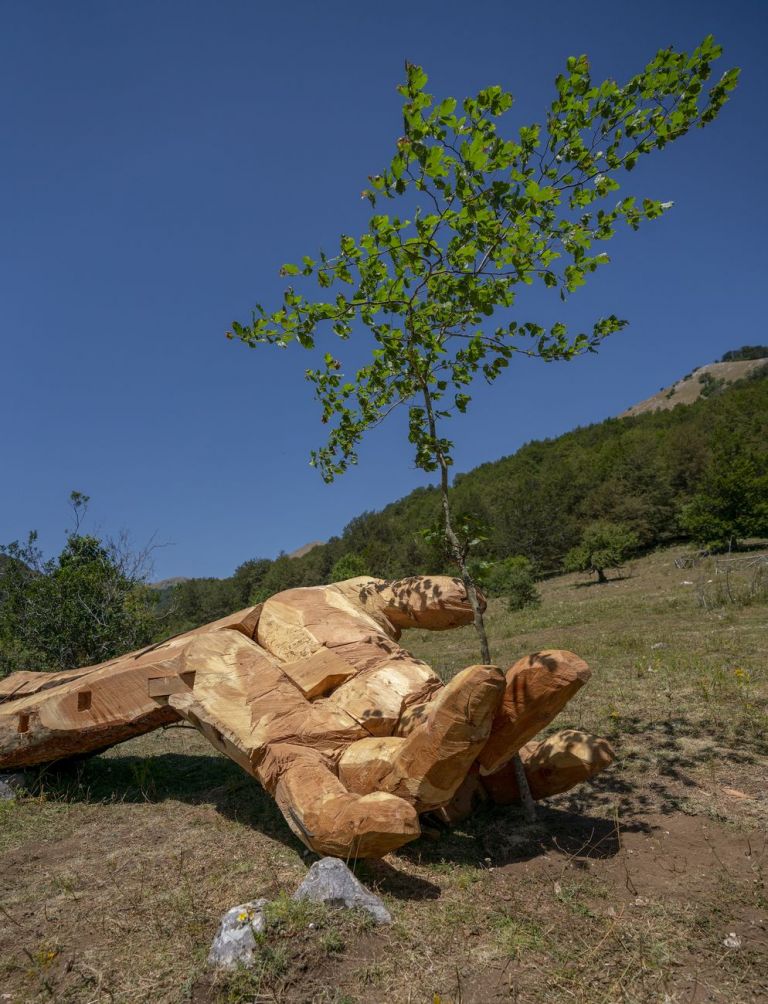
581 824
191 778
386 879
596 582
687 743
500 834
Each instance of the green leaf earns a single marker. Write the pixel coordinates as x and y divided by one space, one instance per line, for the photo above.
487 213
417 78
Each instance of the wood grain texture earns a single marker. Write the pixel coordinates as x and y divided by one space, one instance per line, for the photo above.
313 696
538 688
554 765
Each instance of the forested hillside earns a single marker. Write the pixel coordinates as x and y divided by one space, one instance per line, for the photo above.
640 472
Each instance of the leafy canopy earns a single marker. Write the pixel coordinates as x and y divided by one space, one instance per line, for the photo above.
603 545
732 502
85 606
482 215
746 352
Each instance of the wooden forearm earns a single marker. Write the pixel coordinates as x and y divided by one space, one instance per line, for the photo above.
52 716
83 716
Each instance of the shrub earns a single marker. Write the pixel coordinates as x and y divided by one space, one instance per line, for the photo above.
513 578
85 606
349 566
603 545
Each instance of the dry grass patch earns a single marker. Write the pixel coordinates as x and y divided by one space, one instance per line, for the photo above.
115 873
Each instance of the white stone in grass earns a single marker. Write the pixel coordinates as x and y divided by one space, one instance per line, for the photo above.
236 938
329 881
10 785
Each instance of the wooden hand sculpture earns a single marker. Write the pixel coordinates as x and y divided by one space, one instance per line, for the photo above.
311 694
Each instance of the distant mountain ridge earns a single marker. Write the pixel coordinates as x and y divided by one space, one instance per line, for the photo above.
305 549
702 382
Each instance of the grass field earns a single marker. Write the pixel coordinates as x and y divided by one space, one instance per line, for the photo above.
647 886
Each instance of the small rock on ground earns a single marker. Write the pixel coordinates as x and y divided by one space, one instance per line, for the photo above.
10 785
236 938
329 881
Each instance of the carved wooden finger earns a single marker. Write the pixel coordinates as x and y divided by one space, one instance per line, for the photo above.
331 820
552 766
538 688
431 602
427 767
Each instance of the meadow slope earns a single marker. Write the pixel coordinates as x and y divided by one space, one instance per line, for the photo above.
114 873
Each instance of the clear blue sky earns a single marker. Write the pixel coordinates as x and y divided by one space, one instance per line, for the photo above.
162 159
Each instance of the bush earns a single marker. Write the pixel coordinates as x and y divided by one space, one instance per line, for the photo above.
85 606
513 578
737 582
603 545
710 385
349 566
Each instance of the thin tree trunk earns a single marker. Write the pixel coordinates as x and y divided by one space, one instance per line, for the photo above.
469 584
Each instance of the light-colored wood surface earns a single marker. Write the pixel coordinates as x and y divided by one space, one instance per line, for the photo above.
312 695
538 688
552 766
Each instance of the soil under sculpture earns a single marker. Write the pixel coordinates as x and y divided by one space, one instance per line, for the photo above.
312 695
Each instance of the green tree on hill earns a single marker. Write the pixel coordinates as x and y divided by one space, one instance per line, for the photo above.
513 579
484 216
248 577
746 352
732 502
603 545
85 606
349 566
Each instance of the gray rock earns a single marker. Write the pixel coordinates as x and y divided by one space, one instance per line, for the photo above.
236 938
330 881
10 785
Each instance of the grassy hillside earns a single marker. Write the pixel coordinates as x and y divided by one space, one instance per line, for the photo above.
639 471
113 875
